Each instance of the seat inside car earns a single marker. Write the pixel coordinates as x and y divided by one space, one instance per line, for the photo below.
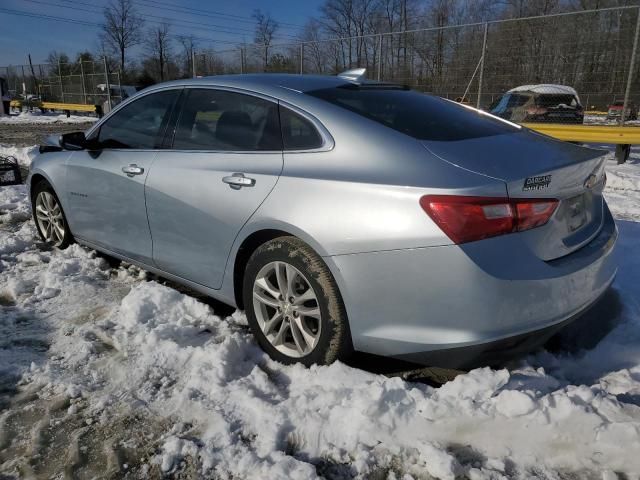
233 128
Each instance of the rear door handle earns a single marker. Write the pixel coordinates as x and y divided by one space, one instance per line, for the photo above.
132 170
238 180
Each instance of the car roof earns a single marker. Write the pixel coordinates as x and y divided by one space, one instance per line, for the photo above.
277 85
548 88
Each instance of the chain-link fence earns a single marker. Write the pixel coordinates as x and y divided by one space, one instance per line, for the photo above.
577 66
591 52
82 82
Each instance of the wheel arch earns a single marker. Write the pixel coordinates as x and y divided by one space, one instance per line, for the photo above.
251 240
34 180
38 176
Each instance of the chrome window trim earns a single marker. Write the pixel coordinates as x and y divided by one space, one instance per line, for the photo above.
328 142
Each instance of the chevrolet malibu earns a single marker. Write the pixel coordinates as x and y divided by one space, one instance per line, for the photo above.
340 214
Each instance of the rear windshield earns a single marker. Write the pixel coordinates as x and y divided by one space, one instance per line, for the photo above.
421 116
556 100
508 102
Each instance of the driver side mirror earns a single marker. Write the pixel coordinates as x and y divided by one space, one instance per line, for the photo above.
73 141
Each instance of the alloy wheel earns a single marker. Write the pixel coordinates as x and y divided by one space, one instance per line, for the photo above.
287 309
49 218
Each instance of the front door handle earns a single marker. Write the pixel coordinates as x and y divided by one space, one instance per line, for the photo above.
132 170
238 180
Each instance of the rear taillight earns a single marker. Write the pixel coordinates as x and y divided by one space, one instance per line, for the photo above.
466 219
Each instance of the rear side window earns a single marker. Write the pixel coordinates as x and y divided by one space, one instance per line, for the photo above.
140 124
421 116
227 121
298 133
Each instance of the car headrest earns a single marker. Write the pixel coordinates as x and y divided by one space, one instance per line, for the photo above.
233 127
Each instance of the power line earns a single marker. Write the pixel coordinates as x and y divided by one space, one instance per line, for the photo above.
48 17
211 12
209 27
198 25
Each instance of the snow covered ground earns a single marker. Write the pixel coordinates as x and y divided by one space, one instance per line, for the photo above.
37 117
105 371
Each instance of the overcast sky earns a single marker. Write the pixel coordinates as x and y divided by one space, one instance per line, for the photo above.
224 21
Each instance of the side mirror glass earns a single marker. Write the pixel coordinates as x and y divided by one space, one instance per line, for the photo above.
73 141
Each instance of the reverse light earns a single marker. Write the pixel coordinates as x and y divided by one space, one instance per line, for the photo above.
466 219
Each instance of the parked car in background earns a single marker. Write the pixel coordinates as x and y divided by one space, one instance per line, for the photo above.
543 103
340 214
615 111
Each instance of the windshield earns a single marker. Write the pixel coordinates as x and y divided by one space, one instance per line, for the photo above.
421 116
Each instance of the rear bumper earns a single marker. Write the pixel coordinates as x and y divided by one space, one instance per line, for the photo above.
496 352
453 305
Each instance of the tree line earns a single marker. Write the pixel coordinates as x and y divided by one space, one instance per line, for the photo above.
590 51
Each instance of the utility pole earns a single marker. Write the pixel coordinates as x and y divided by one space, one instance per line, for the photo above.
106 77
484 53
632 65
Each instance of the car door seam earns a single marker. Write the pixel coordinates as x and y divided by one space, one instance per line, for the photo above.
235 239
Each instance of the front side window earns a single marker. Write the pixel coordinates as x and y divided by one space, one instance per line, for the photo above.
227 121
298 133
421 116
139 125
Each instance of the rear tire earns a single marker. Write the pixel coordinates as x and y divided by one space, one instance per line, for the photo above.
49 217
293 305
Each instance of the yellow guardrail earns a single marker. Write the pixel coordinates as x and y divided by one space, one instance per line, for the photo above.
75 107
65 107
589 133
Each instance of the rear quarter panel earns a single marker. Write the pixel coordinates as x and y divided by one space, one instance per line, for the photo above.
361 196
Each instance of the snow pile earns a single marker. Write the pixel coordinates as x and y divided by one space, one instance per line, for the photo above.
24 155
253 418
603 120
623 188
108 341
37 117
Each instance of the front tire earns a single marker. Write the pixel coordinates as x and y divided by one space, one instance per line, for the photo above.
49 218
293 305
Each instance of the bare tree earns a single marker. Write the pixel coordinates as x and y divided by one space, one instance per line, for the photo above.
189 46
122 27
60 61
266 28
158 47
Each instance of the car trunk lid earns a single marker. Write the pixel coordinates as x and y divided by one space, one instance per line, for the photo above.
535 166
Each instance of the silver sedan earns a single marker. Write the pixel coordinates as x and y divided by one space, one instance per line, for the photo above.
340 214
